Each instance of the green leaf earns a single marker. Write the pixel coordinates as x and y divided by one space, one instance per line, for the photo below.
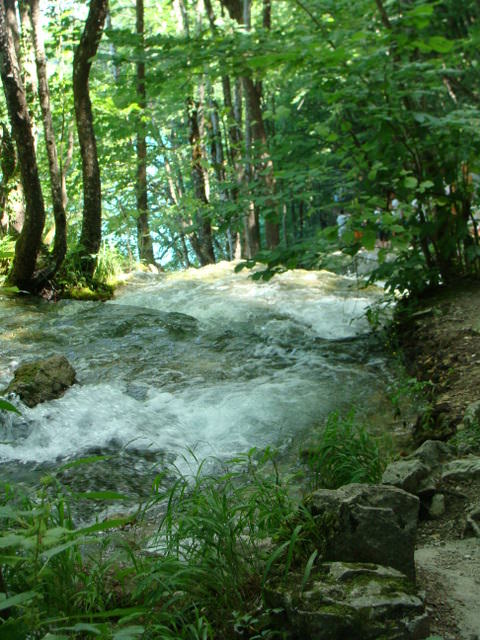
15 540
308 569
84 626
421 10
7 406
82 461
129 633
440 44
426 184
275 555
410 182
16 601
102 495
369 239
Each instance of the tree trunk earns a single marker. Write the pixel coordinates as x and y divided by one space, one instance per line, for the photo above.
8 164
91 234
234 135
29 241
144 240
252 227
205 249
28 62
60 243
262 159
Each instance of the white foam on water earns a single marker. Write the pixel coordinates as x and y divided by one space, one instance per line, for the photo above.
266 383
331 305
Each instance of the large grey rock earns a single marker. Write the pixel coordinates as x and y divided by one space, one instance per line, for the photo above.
354 601
367 523
410 475
462 469
42 380
431 453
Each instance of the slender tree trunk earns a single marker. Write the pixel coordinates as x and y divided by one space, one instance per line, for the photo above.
201 240
176 194
144 239
234 135
113 50
234 128
205 248
241 13
91 234
28 62
17 201
29 241
252 227
8 164
60 243
65 165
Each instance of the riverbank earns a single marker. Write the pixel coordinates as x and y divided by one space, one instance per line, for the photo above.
441 344
224 541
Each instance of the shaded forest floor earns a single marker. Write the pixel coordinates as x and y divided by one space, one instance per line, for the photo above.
442 344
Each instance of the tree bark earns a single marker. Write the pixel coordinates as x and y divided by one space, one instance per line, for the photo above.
8 163
29 241
205 250
60 242
241 14
91 235
144 239
28 62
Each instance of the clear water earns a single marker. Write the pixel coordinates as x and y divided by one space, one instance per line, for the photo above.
203 359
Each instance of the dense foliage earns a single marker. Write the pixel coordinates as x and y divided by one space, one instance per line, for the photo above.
262 122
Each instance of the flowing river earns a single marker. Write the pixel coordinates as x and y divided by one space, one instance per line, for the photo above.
203 359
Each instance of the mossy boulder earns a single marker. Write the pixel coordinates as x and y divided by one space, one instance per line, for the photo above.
348 600
42 380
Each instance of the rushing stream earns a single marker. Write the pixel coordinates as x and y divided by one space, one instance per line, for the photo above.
203 359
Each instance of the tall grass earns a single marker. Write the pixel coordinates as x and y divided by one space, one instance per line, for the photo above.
190 563
194 570
345 451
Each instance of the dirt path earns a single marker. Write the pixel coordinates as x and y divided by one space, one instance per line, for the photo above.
449 572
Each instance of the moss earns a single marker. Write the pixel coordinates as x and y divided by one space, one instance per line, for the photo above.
86 293
341 611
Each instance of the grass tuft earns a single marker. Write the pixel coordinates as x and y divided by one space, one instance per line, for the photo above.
345 452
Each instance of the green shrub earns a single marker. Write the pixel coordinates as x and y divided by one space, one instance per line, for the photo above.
345 452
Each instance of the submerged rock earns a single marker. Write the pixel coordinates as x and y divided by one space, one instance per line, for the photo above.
368 523
42 380
348 600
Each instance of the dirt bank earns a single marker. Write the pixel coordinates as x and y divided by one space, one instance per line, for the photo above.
441 342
